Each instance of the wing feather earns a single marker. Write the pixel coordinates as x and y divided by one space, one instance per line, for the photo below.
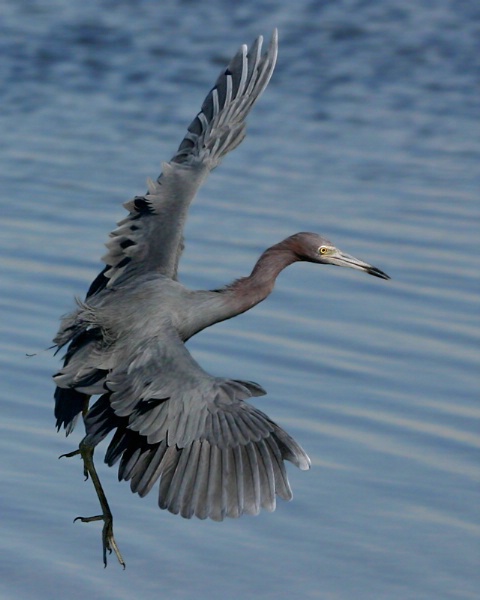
150 238
143 482
266 475
214 454
200 493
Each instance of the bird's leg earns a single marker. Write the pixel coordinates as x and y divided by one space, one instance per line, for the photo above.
108 539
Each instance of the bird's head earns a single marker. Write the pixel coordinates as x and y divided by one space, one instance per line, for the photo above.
314 248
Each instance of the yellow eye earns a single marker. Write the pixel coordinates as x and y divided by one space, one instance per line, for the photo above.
323 250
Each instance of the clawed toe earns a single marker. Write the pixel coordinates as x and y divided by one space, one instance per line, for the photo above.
70 454
108 539
89 519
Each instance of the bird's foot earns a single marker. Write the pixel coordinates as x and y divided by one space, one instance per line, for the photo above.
108 539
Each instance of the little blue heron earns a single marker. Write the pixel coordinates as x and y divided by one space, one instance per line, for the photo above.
215 455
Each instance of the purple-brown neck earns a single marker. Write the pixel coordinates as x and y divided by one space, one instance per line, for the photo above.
244 293
249 291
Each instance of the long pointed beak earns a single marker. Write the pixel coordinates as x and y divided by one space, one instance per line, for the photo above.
341 259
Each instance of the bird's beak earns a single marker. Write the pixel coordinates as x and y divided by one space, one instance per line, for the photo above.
341 259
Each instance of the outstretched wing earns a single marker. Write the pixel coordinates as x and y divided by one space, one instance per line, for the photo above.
150 238
215 454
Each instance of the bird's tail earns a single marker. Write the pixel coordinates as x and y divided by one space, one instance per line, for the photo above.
219 127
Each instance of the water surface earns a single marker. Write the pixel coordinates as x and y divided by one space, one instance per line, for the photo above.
368 133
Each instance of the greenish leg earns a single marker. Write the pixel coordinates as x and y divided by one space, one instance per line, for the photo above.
108 539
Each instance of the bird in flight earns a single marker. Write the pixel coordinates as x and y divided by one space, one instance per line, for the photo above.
214 454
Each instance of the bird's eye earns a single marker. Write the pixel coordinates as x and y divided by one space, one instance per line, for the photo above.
323 250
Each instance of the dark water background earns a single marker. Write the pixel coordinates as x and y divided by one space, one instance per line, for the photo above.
369 134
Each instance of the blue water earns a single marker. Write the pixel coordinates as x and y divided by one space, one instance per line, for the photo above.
369 134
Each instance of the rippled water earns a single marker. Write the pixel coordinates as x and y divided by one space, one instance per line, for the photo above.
369 134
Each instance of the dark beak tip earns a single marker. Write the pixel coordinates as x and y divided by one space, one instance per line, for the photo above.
378 273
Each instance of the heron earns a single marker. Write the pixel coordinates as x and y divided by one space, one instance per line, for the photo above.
214 454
